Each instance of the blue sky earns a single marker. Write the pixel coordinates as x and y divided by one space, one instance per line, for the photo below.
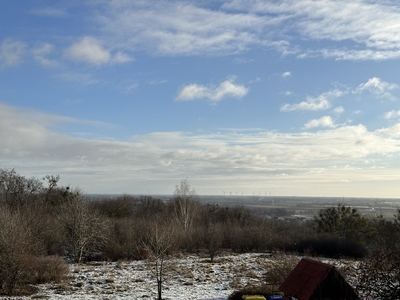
290 97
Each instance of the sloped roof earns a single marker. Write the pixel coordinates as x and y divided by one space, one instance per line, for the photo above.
305 278
312 279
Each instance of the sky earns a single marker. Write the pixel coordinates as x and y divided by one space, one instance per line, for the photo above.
283 98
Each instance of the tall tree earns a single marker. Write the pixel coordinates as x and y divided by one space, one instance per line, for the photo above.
84 227
344 222
185 205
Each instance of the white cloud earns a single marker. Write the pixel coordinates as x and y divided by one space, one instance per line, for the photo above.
338 110
346 54
392 114
366 29
377 87
29 145
321 102
392 132
325 121
214 93
90 50
120 58
183 28
11 52
372 25
286 74
132 86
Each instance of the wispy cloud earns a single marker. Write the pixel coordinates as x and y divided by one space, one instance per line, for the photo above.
49 12
320 102
377 87
90 50
82 79
11 52
372 25
183 28
41 54
357 30
338 110
225 89
392 114
286 74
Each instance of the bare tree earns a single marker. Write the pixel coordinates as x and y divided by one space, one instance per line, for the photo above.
84 227
158 242
52 181
16 190
185 205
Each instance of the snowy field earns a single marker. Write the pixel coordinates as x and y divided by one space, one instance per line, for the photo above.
191 277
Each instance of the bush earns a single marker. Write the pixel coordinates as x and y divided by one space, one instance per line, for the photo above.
124 240
331 246
50 269
15 252
278 270
379 273
86 229
121 207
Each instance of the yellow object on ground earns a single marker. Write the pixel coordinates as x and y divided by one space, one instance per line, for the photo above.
253 297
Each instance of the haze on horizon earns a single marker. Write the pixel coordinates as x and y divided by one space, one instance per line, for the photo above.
296 98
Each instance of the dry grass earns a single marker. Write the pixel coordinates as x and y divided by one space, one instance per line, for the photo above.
51 268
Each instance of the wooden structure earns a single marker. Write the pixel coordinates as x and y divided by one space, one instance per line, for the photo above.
314 280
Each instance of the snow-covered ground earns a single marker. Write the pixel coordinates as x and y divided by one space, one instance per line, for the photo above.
189 277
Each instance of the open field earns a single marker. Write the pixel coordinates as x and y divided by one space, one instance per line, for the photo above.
299 207
187 277
305 207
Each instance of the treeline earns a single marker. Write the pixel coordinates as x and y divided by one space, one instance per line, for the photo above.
42 225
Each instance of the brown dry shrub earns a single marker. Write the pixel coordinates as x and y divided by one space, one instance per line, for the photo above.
15 252
51 269
279 269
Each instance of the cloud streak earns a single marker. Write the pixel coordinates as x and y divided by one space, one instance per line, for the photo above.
372 26
357 30
185 28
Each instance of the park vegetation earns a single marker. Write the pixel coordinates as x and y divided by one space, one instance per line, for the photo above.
44 226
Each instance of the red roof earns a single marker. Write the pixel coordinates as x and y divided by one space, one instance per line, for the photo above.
305 278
